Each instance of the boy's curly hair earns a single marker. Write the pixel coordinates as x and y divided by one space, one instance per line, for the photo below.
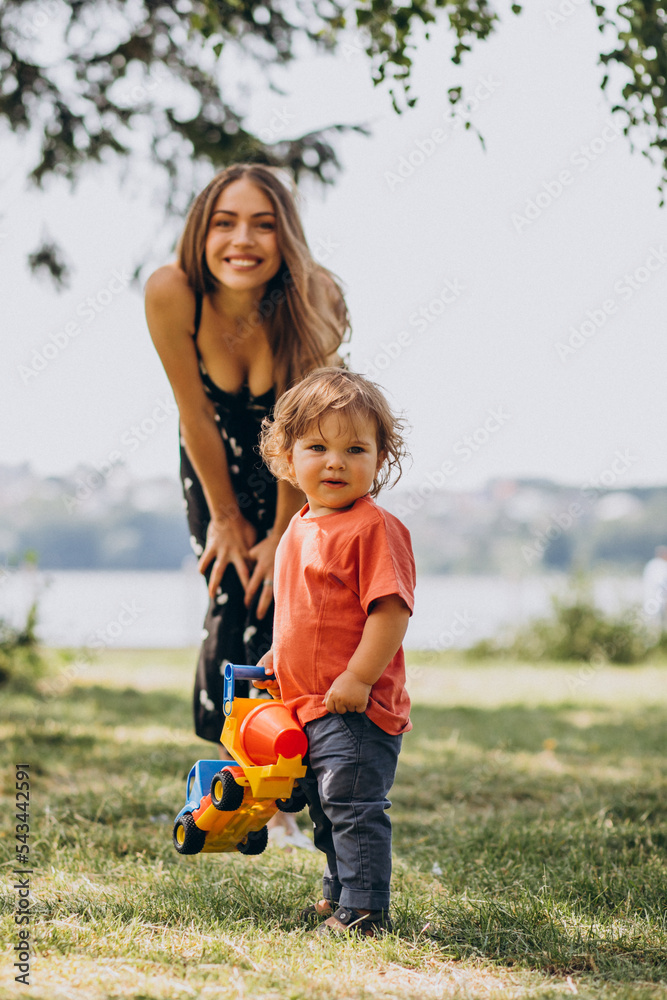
336 390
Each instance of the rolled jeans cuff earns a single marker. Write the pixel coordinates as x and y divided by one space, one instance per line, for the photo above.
359 899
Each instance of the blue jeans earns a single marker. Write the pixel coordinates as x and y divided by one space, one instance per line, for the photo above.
351 767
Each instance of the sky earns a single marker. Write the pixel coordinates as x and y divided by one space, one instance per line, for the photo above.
510 299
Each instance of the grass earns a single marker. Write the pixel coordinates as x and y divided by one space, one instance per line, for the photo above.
529 834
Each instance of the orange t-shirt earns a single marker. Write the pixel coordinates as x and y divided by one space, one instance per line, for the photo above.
328 571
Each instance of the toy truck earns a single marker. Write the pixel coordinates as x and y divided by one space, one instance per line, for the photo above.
229 802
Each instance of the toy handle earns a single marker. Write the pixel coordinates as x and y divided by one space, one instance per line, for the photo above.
234 671
244 673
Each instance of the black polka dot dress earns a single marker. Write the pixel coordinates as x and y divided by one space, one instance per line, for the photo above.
232 632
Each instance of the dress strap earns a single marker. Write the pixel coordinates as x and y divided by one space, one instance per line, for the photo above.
198 304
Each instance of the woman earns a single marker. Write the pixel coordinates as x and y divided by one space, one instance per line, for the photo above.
244 313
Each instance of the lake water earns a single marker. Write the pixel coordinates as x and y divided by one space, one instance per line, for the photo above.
166 609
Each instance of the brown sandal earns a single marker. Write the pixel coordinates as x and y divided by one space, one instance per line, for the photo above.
347 919
322 908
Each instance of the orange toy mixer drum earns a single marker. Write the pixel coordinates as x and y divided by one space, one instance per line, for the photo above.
269 731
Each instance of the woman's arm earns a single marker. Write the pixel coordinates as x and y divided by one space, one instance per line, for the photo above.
290 500
170 309
381 638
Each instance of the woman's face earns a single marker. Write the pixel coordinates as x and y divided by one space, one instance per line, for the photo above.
241 244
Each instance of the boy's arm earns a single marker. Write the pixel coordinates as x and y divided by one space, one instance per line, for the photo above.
383 634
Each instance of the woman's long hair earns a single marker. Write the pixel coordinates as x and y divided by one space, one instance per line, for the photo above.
303 306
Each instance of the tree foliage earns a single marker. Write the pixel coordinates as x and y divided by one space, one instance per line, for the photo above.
94 80
639 29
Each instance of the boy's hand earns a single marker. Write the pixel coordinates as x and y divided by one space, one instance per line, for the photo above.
271 686
347 694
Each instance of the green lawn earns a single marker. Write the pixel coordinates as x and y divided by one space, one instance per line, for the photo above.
529 838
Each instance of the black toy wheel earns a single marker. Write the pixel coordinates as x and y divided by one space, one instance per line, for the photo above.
255 842
294 804
188 838
226 795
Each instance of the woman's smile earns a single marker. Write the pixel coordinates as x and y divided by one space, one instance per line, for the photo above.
243 263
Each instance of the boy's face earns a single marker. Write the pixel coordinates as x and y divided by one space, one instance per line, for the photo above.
336 462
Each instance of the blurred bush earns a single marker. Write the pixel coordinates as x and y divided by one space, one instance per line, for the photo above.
21 661
576 630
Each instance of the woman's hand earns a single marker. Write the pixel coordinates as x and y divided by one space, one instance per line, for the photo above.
228 541
264 554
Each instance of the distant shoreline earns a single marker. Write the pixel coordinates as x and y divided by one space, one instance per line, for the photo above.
115 609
